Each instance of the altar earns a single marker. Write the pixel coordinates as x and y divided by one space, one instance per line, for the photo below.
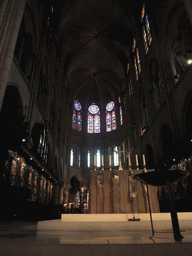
117 192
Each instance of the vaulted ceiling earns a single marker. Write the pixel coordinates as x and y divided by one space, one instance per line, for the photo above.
95 39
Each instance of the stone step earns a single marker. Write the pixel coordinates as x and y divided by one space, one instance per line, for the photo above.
121 217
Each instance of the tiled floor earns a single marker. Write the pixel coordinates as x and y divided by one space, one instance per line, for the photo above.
112 238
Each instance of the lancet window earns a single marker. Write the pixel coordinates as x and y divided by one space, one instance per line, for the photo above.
146 29
121 115
120 111
110 117
130 87
93 119
88 159
71 157
79 159
77 116
137 63
115 156
98 158
128 68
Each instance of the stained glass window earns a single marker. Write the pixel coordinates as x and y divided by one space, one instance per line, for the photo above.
121 115
108 122
146 29
93 119
143 12
113 120
77 105
145 40
136 71
90 123
110 117
74 120
138 61
79 122
110 106
93 109
127 68
134 44
97 124
130 87
77 117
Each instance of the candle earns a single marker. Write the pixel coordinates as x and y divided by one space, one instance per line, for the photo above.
129 160
144 163
102 158
137 162
110 160
94 160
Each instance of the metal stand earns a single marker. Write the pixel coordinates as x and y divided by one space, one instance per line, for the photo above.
165 177
174 217
150 211
134 219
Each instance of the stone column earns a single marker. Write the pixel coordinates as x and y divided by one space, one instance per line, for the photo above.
11 13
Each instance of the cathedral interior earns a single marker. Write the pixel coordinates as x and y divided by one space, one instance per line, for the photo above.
81 81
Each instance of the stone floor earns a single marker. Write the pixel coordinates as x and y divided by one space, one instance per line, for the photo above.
102 238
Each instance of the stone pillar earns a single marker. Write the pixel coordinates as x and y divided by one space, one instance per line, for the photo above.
11 13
